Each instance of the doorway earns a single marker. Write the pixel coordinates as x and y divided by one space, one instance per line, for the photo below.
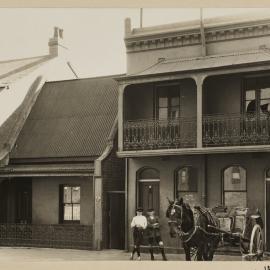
116 220
149 194
23 201
148 189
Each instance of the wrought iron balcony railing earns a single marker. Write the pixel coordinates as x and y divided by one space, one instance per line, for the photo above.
236 129
159 134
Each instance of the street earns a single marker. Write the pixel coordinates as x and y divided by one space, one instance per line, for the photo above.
64 255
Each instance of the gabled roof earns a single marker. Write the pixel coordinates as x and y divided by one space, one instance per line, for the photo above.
11 70
70 118
165 66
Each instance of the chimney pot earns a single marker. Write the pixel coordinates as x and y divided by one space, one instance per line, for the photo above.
127 26
56 46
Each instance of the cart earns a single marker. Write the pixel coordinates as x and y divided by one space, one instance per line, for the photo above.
241 227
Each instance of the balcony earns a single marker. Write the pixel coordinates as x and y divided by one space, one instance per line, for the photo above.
236 130
153 134
219 130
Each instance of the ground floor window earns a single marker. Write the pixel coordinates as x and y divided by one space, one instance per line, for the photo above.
235 187
186 184
70 197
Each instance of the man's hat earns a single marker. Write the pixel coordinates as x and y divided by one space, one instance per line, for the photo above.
150 210
139 209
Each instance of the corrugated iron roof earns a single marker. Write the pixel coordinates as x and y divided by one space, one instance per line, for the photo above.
69 119
207 62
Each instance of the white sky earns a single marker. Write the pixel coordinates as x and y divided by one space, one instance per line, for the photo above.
94 36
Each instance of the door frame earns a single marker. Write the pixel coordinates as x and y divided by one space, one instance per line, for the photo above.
138 188
108 222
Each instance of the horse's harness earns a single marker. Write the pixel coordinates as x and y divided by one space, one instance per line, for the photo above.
180 232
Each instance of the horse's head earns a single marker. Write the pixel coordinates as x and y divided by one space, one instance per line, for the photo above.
180 217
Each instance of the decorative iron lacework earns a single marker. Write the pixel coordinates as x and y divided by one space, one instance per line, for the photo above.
54 236
160 134
236 129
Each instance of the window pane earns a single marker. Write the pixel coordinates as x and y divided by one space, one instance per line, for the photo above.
187 179
163 113
250 106
174 113
265 93
234 179
268 174
175 101
67 194
163 102
76 194
191 198
250 95
67 212
235 199
265 105
76 212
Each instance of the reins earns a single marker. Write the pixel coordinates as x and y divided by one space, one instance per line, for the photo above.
189 234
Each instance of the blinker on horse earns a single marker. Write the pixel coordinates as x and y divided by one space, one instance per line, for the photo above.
194 232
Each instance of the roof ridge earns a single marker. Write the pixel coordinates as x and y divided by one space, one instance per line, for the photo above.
21 59
88 78
171 60
26 66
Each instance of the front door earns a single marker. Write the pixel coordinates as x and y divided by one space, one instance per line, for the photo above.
23 201
149 194
116 216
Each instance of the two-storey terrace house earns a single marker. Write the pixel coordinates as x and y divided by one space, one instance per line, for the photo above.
194 116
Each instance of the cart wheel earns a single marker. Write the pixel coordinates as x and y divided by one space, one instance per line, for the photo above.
256 242
193 253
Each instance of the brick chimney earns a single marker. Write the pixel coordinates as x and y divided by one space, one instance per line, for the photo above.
56 47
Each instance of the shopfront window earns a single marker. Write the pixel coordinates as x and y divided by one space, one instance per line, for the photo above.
235 187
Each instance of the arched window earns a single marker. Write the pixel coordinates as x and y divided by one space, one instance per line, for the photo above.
187 179
186 184
235 187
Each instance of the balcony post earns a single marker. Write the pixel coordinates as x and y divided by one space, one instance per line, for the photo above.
199 82
120 116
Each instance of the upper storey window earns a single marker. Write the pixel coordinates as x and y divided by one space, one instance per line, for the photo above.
257 96
168 102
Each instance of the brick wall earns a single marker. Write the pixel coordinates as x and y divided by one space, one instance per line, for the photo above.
113 173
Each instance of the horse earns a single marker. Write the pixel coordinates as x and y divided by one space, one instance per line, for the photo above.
199 240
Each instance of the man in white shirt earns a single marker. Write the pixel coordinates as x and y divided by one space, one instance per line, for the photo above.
138 224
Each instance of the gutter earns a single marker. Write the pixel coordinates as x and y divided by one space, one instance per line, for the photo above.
108 149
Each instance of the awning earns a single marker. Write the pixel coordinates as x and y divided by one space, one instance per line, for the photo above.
47 170
204 63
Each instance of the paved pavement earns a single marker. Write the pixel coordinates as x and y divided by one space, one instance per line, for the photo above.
68 255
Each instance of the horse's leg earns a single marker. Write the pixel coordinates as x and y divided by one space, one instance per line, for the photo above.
187 251
200 252
206 251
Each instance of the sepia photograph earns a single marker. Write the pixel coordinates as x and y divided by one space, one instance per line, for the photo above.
134 134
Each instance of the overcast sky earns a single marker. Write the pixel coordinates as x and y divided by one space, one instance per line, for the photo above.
94 36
